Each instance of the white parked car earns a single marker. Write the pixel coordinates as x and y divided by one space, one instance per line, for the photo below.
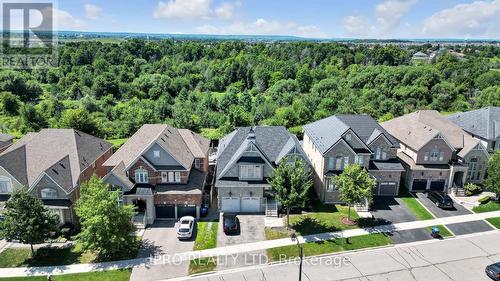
185 228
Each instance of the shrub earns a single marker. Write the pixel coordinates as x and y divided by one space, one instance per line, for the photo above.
472 189
484 199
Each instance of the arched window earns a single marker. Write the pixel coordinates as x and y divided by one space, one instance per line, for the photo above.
5 185
141 176
49 193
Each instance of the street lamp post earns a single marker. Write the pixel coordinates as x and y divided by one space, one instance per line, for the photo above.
295 238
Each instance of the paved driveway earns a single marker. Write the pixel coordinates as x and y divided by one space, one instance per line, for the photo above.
393 210
469 227
438 212
161 239
251 230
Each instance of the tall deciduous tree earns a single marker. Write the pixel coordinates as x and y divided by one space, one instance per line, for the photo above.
493 180
27 220
106 225
291 182
355 184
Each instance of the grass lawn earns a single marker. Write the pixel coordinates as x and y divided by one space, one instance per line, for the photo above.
414 205
47 256
443 231
329 246
488 207
495 222
323 218
272 233
206 238
112 275
117 143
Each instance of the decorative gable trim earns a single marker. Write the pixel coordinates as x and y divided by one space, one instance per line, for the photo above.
11 176
386 139
40 177
357 137
237 156
439 136
345 143
140 156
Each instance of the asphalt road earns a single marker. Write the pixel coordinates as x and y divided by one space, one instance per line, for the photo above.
457 259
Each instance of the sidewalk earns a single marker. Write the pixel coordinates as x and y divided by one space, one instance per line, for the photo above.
242 248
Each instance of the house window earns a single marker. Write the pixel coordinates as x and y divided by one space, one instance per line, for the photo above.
141 176
377 153
348 137
330 184
156 154
359 159
251 172
170 176
49 193
346 161
5 185
331 163
164 177
197 163
426 156
384 153
441 156
177 176
434 156
473 169
338 163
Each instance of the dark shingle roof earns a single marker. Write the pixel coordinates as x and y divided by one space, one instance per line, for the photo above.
271 140
484 122
61 153
328 131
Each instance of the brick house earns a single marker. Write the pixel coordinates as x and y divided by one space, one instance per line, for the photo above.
52 164
334 142
436 153
162 171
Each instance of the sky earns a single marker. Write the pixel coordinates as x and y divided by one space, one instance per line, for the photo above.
311 18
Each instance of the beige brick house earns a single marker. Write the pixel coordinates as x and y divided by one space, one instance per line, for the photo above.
162 171
437 154
52 164
337 141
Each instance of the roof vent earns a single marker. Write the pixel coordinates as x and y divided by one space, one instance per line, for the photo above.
251 134
76 132
55 171
61 164
163 139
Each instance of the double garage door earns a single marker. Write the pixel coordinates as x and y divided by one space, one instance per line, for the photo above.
421 185
240 204
387 189
168 211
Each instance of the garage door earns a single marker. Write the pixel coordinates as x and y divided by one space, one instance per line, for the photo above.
165 211
419 185
437 185
230 204
250 204
387 189
186 210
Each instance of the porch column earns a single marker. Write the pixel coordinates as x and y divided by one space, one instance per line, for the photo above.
198 212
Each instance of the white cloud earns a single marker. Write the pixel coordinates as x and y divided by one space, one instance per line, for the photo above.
477 19
263 27
92 11
390 12
388 15
194 9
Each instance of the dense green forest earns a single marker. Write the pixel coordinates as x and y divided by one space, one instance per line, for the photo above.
110 90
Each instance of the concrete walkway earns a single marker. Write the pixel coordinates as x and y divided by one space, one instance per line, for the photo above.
237 249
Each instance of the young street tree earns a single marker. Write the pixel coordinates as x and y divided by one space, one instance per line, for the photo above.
106 225
27 220
355 184
291 182
493 180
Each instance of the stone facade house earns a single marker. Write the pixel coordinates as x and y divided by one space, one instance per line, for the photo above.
334 142
246 159
52 164
162 171
483 124
436 153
